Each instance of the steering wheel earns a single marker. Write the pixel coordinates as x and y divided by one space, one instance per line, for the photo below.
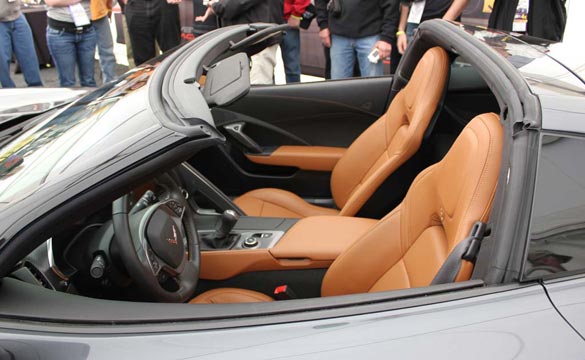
159 244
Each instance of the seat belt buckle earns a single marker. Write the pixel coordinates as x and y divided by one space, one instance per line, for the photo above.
284 292
475 237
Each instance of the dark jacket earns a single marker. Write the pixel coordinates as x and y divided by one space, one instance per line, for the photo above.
546 18
361 18
200 28
232 12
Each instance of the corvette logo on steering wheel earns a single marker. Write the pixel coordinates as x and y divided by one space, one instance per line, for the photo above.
173 240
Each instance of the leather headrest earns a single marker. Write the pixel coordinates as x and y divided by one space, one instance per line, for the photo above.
425 77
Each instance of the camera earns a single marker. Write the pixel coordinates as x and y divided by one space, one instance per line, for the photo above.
374 56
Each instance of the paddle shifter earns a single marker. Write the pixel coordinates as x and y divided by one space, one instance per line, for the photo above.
228 220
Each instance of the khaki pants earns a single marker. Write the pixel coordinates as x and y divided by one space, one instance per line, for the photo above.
263 63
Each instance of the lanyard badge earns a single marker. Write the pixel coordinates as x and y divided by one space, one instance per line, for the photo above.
416 12
79 15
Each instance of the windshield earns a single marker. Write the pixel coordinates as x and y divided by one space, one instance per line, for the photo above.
542 72
58 143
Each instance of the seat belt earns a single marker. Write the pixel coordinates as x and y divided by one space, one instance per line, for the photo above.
465 250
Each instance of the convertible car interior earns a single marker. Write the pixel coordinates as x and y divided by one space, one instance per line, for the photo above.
312 190
358 171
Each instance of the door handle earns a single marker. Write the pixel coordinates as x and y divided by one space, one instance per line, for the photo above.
236 130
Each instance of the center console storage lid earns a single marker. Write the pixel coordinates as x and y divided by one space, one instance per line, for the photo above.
321 237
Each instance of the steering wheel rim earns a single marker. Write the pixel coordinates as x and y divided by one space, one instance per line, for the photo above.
147 258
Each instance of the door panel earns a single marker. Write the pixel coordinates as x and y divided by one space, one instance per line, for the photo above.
229 170
329 114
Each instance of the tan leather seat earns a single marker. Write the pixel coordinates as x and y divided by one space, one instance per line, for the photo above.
408 246
375 154
230 295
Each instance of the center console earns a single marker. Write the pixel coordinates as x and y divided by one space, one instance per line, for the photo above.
281 244
233 244
247 232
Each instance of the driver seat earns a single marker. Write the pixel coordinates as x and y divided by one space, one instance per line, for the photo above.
378 152
408 246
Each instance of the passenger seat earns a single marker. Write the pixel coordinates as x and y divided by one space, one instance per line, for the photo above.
407 247
374 155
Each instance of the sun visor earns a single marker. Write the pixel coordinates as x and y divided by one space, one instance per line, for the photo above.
227 80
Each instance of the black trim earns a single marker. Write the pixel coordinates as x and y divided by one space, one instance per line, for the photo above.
199 183
77 315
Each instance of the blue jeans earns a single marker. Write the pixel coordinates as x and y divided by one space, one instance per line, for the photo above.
411 29
105 45
16 36
343 54
69 50
290 46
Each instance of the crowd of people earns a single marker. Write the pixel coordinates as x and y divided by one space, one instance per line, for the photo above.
356 35
76 29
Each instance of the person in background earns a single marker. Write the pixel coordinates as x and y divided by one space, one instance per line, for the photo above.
126 34
232 12
200 28
546 18
413 12
356 28
71 39
101 10
150 21
290 45
15 35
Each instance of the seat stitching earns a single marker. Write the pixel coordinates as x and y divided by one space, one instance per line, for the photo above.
427 172
261 206
407 273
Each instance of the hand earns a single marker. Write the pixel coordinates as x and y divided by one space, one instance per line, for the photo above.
207 14
384 48
293 22
402 43
325 36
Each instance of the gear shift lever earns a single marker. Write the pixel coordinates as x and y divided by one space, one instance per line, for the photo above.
228 220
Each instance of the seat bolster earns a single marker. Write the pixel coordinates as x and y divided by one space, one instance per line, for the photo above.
360 265
271 202
230 296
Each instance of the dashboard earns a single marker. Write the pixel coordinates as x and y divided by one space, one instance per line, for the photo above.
83 257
